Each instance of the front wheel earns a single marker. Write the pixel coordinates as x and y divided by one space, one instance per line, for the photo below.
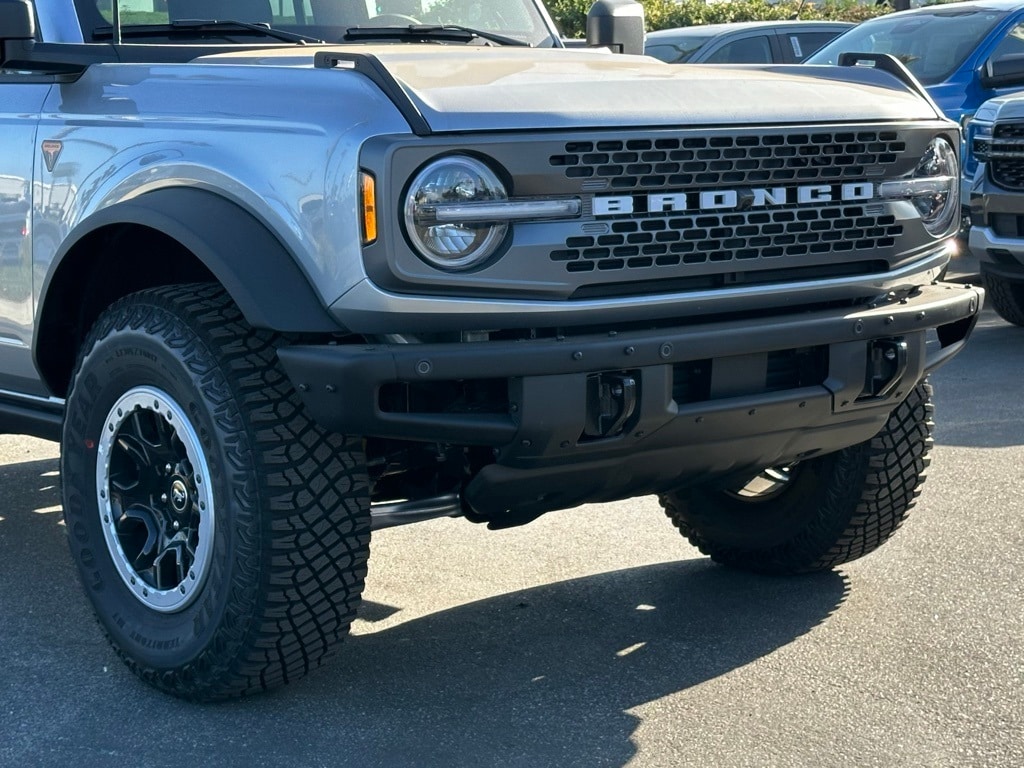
1007 297
221 536
821 512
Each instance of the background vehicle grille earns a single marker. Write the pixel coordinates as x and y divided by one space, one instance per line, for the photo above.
1006 155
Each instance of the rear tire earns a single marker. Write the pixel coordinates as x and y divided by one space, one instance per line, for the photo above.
819 513
1007 297
221 536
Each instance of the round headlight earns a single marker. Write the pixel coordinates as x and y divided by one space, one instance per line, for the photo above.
939 202
432 207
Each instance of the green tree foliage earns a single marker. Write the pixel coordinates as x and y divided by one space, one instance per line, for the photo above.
571 15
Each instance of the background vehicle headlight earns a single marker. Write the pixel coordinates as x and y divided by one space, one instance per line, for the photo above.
979 140
448 183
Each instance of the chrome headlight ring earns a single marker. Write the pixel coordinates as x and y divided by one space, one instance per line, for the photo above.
439 234
458 212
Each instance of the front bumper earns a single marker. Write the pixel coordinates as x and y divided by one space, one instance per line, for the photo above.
547 454
997 227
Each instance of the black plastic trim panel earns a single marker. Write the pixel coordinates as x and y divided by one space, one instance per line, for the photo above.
340 384
22 418
255 268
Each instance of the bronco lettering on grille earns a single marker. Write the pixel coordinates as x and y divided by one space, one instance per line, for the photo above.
728 199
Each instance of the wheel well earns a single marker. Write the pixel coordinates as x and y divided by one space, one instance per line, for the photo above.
108 263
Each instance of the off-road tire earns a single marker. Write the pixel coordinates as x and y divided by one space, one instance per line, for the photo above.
836 508
1007 297
287 554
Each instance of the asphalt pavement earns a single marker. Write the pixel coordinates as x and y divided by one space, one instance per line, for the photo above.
592 637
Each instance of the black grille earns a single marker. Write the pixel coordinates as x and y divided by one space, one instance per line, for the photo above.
1009 131
1006 155
701 161
679 210
670 240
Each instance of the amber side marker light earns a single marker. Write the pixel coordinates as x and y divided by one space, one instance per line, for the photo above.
368 189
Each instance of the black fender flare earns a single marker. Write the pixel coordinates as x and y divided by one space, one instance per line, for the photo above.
256 269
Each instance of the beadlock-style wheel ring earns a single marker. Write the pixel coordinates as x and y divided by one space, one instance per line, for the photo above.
154 498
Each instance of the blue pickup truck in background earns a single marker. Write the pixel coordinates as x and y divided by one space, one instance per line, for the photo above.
962 53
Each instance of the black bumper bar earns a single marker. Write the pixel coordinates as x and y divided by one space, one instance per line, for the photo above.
340 383
546 459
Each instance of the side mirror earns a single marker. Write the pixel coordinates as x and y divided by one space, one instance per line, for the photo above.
1005 71
17 20
616 24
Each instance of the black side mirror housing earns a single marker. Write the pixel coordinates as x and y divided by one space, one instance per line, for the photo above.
617 25
1005 71
17 20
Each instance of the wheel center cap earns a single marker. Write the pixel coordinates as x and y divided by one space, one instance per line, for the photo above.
179 496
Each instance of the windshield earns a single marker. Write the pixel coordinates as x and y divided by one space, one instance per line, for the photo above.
932 44
325 20
675 49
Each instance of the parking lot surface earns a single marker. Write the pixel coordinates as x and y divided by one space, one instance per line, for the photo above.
593 637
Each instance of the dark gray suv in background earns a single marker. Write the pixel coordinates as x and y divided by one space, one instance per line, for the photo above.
751 42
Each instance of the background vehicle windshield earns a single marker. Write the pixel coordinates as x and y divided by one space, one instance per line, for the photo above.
676 49
328 19
932 44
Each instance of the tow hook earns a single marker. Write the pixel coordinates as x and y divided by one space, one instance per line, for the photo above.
611 401
887 362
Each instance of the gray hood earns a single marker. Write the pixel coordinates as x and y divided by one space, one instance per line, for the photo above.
462 88
1009 107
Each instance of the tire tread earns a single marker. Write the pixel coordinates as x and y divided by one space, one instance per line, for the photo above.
1007 298
301 499
874 486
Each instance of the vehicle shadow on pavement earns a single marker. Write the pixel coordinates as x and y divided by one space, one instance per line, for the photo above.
548 676
545 676
978 394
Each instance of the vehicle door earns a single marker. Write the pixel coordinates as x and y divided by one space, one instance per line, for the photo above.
797 44
21 98
965 89
1011 44
752 48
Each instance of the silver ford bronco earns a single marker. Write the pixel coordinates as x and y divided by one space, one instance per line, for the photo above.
276 273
